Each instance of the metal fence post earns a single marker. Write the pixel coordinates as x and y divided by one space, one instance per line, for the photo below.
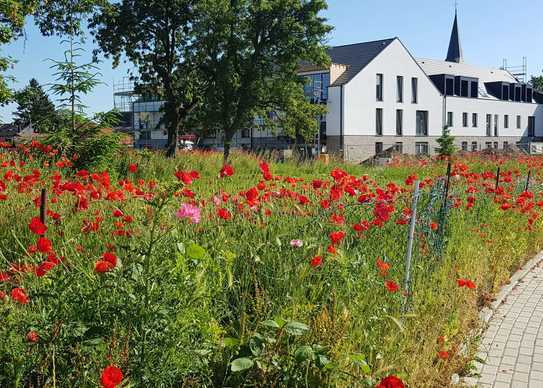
497 180
43 201
527 187
410 240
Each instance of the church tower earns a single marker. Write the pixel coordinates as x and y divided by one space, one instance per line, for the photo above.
455 49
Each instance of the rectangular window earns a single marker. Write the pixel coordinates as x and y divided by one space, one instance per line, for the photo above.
474 146
474 120
379 87
488 145
398 147
505 145
421 148
464 146
245 133
414 90
496 146
489 125
450 119
496 122
378 148
145 135
379 122
531 126
422 123
464 119
399 122
506 121
519 122
399 88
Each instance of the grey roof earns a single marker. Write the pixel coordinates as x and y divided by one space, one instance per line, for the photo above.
356 57
455 49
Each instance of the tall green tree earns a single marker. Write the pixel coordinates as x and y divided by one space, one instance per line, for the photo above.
537 83
158 38
73 79
35 107
12 16
252 52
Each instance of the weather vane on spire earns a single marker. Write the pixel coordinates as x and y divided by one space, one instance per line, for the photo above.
455 5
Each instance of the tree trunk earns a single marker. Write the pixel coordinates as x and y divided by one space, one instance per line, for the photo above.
171 149
228 135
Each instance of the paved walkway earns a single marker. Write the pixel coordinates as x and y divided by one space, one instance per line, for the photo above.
512 346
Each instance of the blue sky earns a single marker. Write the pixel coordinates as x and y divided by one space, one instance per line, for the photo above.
491 30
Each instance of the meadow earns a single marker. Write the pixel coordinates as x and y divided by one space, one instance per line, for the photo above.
185 272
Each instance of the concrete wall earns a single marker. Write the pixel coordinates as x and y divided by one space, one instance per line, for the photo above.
360 148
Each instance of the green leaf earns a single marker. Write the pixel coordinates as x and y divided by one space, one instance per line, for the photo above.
230 342
304 353
195 251
360 361
296 328
241 364
271 323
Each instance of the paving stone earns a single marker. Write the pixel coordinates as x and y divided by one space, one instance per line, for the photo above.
512 345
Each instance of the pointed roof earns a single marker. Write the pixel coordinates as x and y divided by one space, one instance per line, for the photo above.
356 57
455 49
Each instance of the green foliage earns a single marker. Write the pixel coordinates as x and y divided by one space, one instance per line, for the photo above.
537 83
92 141
64 17
446 143
157 37
12 16
251 55
74 80
35 107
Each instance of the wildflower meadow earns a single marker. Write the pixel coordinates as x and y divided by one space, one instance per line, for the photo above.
187 272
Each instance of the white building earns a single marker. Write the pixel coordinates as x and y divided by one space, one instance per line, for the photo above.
381 98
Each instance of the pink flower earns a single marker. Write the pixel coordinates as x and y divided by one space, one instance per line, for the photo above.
189 211
296 243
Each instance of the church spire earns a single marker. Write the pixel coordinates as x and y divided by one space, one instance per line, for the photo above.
455 49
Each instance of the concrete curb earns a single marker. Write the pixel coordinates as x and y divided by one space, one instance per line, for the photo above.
487 313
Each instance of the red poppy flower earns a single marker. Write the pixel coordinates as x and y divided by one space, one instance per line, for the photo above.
19 295
443 354
32 336
224 214
316 261
466 283
133 168
391 286
331 250
110 258
44 245
383 267
37 227
265 169
336 237
102 266
44 267
391 382
118 213
433 226
111 377
226 170
4 276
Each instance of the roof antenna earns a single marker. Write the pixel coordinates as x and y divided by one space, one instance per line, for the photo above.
455 6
